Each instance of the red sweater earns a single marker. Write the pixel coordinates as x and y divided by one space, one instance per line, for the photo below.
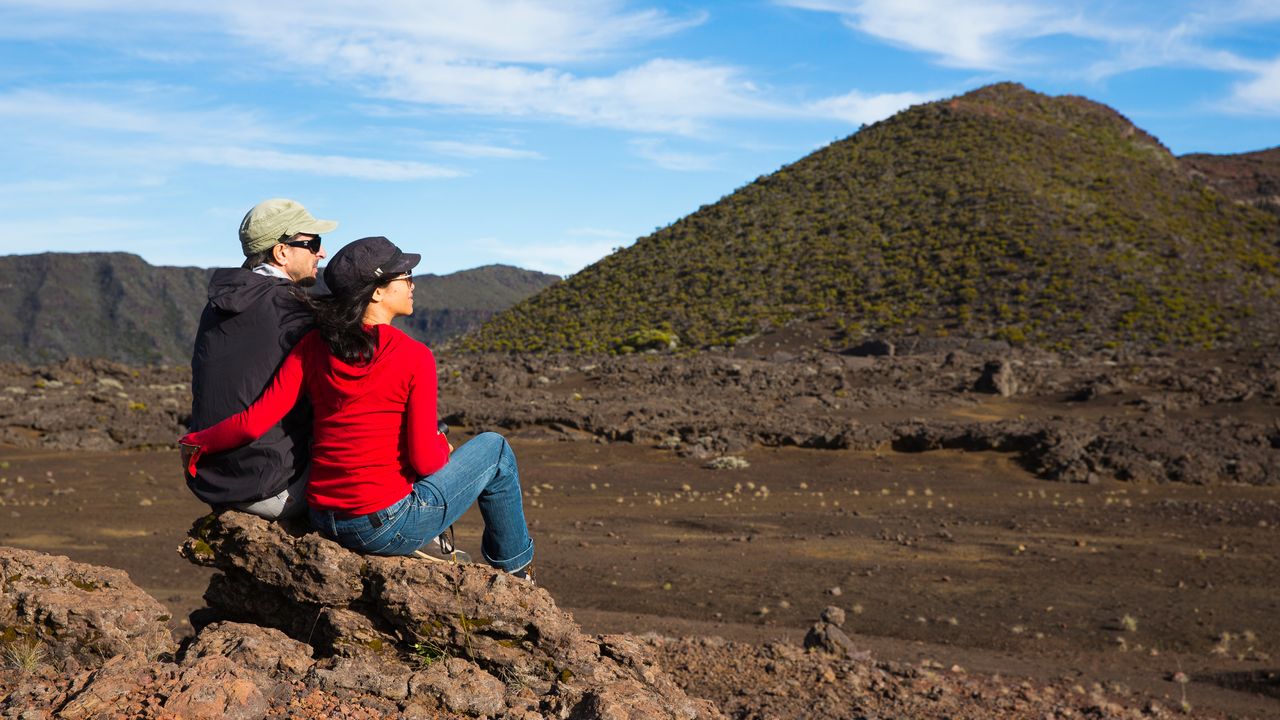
375 424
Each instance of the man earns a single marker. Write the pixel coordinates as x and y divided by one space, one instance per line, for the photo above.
255 315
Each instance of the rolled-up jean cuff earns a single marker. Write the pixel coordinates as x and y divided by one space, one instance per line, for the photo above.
512 564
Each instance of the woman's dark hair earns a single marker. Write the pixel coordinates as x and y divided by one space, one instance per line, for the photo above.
340 320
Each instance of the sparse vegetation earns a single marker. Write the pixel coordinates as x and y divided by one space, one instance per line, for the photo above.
25 654
427 653
1002 213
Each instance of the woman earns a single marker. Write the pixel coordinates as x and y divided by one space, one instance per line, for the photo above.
384 480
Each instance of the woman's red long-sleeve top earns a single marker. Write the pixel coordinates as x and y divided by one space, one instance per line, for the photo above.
375 424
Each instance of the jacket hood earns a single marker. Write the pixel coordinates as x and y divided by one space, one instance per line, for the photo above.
234 290
351 383
356 380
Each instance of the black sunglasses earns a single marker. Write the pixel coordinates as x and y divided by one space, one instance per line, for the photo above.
313 244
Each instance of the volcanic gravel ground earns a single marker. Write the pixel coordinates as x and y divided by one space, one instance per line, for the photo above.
889 487
945 558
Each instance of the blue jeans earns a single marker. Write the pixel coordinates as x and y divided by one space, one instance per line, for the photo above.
483 470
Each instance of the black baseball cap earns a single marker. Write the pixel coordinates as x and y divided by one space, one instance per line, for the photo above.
367 260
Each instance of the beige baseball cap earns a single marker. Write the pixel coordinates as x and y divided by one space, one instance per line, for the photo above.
271 221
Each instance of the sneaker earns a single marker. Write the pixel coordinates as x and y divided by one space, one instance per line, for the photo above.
525 573
429 552
436 551
443 549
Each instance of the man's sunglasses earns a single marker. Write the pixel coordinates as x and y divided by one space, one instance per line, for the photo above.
313 244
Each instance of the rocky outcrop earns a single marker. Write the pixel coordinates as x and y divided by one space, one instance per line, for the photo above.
417 633
316 629
1074 450
998 378
80 615
471 657
827 636
1141 417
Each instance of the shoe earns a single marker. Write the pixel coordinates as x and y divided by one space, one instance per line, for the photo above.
443 549
431 552
525 573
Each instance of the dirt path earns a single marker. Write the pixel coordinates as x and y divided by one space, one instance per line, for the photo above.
962 558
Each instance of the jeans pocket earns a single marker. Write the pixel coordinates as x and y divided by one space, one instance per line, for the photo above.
372 530
427 495
389 544
369 536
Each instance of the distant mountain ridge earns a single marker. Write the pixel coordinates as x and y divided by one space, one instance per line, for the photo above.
116 306
1252 177
446 306
998 214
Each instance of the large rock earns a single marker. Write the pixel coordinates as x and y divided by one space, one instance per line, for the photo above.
113 689
263 650
328 633
998 378
299 565
827 636
461 687
78 612
215 687
374 619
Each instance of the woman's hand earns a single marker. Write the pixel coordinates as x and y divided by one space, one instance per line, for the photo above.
190 454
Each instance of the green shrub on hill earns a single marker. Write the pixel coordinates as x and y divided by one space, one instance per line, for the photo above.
1002 213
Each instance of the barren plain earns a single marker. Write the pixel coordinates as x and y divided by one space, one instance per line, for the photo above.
1104 523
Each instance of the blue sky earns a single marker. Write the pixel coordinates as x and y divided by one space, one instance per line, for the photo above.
539 134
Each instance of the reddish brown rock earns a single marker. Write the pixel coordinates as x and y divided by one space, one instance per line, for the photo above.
304 569
263 650
216 687
385 677
500 626
78 611
502 623
460 686
112 687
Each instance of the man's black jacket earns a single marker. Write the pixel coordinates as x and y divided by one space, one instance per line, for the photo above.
249 325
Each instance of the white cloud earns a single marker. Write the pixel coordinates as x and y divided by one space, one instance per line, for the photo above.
660 95
973 34
858 108
222 137
1110 39
485 31
70 110
594 232
8 190
484 56
72 233
330 165
656 152
454 148
560 258
1247 11
1261 93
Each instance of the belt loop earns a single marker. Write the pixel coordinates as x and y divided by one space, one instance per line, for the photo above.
375 519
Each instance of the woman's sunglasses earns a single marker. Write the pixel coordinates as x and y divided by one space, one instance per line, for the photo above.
313 244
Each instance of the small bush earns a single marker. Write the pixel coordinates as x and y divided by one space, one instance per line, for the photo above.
25 655
649 340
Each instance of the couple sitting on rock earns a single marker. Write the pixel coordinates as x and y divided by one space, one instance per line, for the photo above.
321 398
